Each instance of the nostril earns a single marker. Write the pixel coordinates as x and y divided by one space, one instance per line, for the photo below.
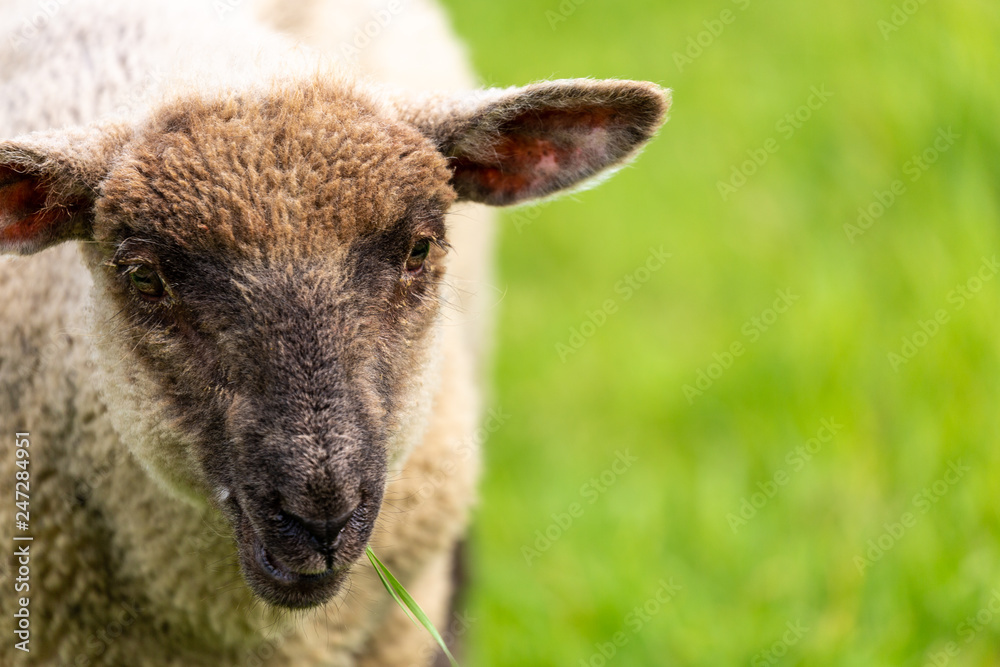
323 530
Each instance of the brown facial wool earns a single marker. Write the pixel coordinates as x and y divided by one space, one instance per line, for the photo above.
245 305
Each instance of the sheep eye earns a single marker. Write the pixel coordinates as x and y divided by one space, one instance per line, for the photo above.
147 282
418 255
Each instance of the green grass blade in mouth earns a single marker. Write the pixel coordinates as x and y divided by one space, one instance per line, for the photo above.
407 603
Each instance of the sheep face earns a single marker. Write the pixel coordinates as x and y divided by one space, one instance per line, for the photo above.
271 268
266 284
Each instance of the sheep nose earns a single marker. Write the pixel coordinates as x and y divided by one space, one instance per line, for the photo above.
324 530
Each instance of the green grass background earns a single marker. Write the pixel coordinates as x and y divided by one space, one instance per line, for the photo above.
666 516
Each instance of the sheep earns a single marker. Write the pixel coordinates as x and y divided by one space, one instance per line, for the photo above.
244 316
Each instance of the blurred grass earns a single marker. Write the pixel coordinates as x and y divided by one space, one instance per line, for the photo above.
666 516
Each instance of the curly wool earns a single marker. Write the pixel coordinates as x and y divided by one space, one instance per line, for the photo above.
123 573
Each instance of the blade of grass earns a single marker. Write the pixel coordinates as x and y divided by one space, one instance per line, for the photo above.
407 603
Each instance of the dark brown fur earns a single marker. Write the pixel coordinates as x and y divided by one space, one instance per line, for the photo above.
280 226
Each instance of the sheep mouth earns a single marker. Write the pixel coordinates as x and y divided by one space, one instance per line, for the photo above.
279 584
281 572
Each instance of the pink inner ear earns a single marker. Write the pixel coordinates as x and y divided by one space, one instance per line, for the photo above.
538 152
25 222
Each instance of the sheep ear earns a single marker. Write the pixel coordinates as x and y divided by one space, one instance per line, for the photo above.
506 146
48 187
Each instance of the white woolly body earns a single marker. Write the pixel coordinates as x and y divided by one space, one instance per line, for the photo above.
178 594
